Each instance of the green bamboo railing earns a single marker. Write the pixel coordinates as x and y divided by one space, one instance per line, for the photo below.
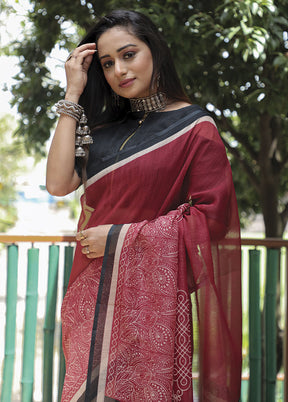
285 354
254 326
11 301
273 247
27 380
67 269
254 393
272 265
49 325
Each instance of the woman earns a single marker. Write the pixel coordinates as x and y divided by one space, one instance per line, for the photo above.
159 223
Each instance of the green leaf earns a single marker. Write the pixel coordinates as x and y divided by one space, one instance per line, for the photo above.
233 31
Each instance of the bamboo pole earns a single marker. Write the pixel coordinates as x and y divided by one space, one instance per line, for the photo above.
254 327
49 325
286 333
10 330
30 325
244 389
273 256
68 259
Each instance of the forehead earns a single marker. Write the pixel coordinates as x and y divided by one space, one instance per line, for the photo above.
115 38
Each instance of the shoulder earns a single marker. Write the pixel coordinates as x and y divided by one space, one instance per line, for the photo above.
180 108
185 113
176 105
198 121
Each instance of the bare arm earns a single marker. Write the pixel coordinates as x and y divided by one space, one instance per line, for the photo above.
61 177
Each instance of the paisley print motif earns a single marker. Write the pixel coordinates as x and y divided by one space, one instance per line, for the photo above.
141 356
77 316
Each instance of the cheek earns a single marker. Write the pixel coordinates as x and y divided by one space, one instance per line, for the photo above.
109 78
147 66
106 75
149 72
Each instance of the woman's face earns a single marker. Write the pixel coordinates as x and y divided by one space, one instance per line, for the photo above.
126 61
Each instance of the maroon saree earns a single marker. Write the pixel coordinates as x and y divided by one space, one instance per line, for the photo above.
158 318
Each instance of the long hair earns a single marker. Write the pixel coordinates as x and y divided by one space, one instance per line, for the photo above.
97 98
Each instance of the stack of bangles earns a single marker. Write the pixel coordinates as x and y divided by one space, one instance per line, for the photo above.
82 130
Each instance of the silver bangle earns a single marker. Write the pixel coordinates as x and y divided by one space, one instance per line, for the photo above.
70 109
82 136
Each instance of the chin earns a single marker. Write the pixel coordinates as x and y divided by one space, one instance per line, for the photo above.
133 94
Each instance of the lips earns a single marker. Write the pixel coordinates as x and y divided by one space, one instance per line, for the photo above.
126 83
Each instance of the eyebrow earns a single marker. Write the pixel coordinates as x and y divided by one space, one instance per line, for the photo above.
118 50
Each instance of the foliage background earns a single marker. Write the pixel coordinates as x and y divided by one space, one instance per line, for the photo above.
11 154
232 57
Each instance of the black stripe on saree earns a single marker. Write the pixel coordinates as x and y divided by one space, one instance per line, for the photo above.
100 315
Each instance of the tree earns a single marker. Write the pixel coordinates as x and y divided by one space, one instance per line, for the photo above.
12 151
251 63
233 59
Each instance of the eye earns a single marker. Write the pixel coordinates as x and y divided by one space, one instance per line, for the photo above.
107 64
129 54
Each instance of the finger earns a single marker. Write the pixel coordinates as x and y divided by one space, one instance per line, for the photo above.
78 236
72 56
80 51
91 255
86 54
81 235
90 45
75 53
87 61
69 57
79 59
84 242
81 48
85 250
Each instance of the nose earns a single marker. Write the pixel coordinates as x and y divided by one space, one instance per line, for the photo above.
120 68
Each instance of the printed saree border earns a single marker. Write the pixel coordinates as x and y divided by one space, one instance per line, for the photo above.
96 377
109 317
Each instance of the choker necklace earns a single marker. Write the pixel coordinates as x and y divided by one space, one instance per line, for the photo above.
151 103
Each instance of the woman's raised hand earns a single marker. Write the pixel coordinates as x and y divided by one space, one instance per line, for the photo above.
76 68
61 177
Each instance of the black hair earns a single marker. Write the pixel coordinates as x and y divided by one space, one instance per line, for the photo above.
97 98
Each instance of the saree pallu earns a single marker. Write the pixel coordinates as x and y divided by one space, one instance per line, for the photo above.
130 331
